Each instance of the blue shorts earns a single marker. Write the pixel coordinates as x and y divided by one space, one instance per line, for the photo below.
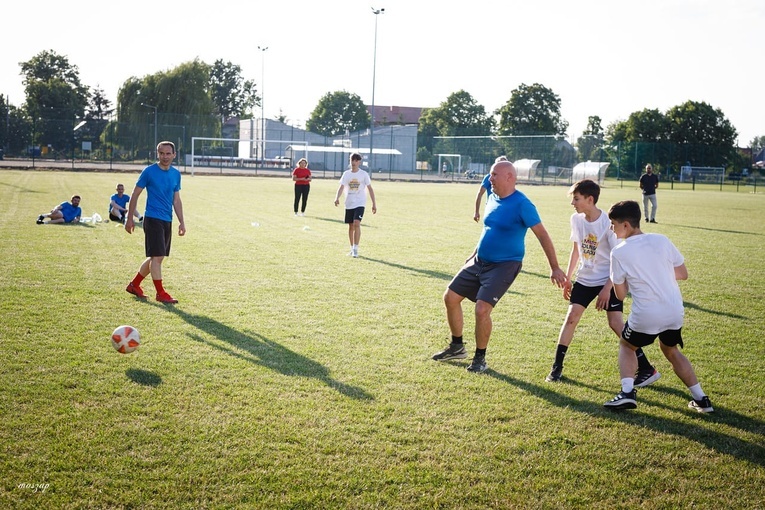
487 281
352 215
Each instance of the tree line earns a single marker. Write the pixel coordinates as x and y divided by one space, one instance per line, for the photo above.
198 98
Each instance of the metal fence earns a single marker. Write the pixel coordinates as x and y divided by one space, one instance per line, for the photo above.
435 158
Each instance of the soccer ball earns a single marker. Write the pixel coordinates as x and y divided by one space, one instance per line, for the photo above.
126 339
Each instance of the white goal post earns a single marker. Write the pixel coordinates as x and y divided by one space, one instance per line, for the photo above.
702 173
448 158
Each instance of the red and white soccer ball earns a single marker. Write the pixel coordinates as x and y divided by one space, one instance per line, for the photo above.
126 339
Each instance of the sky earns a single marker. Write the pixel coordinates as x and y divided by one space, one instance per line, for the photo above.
605 58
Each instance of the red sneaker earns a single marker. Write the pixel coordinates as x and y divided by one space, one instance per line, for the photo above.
135 290
164 297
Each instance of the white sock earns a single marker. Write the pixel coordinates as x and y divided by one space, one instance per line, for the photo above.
696 391
628 384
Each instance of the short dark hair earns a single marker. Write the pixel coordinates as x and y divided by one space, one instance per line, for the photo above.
586 188
626 210
356 157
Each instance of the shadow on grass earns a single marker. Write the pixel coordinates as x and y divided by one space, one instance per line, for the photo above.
722 443
78 224
433 274
340 221
427 272
724 231
264 352
20 188
144 377
714 312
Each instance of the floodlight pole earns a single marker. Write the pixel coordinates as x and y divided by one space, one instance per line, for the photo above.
262 103
155 122
374 76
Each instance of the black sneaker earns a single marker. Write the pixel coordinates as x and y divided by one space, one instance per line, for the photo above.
653 221
40 219
703 406
454 351
645 377
622 401
478 365
555 374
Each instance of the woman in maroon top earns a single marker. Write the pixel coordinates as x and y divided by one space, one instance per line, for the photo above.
302 177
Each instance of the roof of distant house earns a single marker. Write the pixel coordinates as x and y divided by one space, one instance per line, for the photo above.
396 114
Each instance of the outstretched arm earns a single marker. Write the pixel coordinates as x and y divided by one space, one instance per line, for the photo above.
557 275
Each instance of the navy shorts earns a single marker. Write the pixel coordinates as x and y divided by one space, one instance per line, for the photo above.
352 215
669 337
157 236
583 295
487 281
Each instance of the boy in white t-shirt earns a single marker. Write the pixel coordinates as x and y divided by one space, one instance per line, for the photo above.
590 257
355 182
648 267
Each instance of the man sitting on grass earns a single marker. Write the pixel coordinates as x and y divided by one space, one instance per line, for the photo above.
65 212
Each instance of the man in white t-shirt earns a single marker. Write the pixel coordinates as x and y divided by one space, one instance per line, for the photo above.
648 267
355 182
590 258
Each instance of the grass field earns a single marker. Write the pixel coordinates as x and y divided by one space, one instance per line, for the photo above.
292 376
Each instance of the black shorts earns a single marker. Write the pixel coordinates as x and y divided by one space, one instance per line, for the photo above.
352 215
583 295
114 218
157 235
486 281
669 337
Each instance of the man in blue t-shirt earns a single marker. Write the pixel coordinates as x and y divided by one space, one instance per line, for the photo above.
162 182
118 206
495 263
484 188
65 212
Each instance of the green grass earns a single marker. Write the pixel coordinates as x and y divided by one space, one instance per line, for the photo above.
292 376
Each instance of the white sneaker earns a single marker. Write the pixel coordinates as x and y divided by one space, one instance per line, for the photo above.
355 253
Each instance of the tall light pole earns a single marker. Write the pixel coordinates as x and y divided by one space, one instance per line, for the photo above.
262 101
155 122
374 73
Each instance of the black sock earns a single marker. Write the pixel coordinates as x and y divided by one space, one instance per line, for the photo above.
560 353
456 339
480 353
643 363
